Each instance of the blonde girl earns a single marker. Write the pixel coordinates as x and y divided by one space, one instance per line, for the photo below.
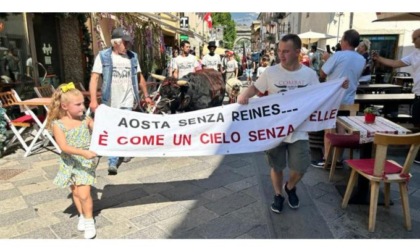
72 133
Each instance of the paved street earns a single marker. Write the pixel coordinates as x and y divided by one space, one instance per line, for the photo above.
224 197
216 197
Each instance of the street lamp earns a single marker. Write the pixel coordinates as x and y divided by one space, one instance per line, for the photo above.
339 14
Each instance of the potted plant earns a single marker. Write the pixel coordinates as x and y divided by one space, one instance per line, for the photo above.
370 114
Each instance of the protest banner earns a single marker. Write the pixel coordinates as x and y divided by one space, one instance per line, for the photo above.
260 125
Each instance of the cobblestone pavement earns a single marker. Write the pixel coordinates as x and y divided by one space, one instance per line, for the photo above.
224 197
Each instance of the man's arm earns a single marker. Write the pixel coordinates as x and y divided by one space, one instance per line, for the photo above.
388 62
322 75
249 92
176 73
143 87
93 87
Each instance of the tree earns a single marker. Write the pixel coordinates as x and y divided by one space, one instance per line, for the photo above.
229 32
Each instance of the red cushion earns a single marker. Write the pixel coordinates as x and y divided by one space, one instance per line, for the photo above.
27 119
344 141
367 165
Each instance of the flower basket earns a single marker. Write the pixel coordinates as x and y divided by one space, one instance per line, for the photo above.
370 114
370 118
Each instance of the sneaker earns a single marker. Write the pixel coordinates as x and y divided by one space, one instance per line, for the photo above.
81 223
112 170
90 229
416 161
127 159
292 198
277 205
318 164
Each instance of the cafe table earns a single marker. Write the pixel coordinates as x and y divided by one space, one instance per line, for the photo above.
26 106
356 124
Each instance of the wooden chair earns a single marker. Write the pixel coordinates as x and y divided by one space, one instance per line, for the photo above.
17 125
44 91
380 169
338 142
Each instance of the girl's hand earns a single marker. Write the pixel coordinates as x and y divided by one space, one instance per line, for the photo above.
89 154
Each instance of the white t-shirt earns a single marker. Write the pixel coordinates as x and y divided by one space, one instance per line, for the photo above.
348 64
185 65
260 70
231 65
211 61
413 59
276 79
122 94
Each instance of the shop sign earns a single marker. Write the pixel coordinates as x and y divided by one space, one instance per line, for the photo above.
183 37
184 23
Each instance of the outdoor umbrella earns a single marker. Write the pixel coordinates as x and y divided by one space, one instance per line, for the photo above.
397 16
310 36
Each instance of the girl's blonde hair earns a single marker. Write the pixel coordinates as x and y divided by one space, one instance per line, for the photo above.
63 94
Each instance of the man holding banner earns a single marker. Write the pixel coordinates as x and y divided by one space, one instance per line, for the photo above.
122 79
287 75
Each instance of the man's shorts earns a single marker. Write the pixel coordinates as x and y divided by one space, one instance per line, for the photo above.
248 73
296 155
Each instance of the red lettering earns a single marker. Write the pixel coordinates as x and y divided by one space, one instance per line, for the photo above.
220 138
120 140
103 138
317 116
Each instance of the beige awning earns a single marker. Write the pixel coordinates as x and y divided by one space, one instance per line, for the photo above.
397 16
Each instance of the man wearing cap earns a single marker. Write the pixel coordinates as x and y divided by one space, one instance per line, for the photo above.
212 60
120 86
185 63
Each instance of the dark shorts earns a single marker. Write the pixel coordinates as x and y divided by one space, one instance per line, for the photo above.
415 111
295 155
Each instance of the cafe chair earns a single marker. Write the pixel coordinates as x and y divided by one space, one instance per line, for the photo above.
20 124
339 142
380 169
44 91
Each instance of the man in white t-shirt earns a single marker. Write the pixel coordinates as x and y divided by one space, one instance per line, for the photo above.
185 63
294 150
413 59
212 60
121 74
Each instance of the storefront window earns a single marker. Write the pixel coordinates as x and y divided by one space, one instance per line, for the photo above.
14 54
386 46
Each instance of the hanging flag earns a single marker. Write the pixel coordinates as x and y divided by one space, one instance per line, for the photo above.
207 18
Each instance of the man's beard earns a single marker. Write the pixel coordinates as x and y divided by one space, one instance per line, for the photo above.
211 53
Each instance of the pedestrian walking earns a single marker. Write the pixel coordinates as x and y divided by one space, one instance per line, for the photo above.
185 63
293 151
122 79
76 165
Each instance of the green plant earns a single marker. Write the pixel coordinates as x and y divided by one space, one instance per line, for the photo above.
371 110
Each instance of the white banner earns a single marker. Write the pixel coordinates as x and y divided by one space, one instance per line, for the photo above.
228 129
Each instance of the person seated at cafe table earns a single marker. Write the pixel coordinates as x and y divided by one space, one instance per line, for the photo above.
412 60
